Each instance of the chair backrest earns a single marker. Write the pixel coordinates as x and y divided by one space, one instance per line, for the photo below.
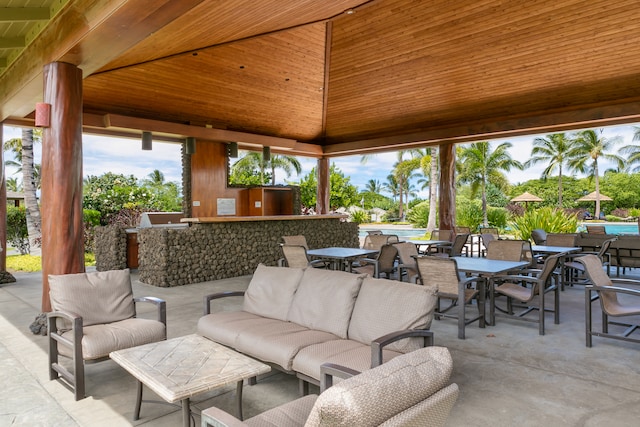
392 238
550 264
598 277
506 250
298 240
439 272
410 389
295 255
487 238
462 230
374 232
539 236
596 229
561 239
407 252
458 244
387 258
490 230
605 248
442 235
375 241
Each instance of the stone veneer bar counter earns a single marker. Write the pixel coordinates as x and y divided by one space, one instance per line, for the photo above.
218 247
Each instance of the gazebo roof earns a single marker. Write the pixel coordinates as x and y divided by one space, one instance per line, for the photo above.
526 197
327 78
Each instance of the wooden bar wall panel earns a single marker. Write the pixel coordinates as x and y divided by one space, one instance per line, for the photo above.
61 199
447 190
209 180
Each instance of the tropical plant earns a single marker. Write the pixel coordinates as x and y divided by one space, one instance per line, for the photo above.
480 164
469 213
418 215
13 184
554 150
359 216
589 147
341 192
373 186
17 234
551 220
251 169
23 150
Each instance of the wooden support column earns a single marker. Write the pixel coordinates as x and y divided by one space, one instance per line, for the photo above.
324 186
3 207
61 199
447 188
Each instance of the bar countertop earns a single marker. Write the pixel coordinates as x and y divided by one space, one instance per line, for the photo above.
214 219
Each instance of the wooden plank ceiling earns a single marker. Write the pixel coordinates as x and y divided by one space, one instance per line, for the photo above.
350 76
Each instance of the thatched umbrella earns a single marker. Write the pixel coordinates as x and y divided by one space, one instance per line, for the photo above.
592 197
526 197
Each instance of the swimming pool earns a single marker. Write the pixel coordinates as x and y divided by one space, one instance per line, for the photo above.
631 228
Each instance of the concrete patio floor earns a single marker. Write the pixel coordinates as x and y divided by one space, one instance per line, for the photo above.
508 374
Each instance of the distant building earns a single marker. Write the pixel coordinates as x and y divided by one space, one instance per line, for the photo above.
15 198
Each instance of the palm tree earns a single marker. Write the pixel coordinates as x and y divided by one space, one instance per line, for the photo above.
251 162
155 179
553 149
13 184
590 146
391 186
287 163
481 165
633 151
373 186
429 166
23 150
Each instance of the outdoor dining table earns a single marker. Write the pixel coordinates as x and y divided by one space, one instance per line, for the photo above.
428 244
340 258
486 269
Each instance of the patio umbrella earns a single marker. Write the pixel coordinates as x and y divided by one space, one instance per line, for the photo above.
591 197
526 197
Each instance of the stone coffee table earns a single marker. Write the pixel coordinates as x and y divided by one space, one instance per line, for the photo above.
183 367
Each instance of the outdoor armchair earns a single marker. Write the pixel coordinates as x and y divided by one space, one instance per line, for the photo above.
527 292
95 314
407 253
295 256
458 246
301 240
384 263
575 270
411 389
615 301
539 236
443 274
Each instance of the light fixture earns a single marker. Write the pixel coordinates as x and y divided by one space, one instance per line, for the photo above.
232 149
266 154
147 141
190 145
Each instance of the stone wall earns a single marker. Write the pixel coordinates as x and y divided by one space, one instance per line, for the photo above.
175 257
110 248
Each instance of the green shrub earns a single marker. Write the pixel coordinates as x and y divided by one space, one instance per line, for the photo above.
469 213
28 263
612 218
549 219
497 217
17 234
419 215
360 216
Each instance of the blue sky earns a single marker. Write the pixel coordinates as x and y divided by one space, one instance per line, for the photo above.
118 155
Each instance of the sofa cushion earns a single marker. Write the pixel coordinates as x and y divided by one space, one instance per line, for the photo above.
384 306
279 343
291 414
348 353
377 395
224 327
99 340
324 300
98 297
271 291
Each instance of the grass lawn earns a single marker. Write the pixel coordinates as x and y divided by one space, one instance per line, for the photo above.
32 263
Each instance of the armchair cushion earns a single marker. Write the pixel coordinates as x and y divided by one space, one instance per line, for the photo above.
324 300
377 313
98 297
271 291
365 398
99 340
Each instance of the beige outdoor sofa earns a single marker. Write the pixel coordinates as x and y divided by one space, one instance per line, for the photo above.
298 319
410 390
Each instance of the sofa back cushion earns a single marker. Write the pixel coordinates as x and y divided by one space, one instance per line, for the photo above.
384 306
271 291
324 300
99 297
377 395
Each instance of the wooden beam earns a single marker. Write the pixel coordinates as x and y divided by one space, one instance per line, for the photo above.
24 14
77 35
608 115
